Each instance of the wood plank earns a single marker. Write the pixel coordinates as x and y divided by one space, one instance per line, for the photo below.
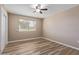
38 47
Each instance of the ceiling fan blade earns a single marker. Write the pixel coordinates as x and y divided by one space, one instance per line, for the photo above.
44 9
40 12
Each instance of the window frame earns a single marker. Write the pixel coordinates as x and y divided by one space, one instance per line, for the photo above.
28 28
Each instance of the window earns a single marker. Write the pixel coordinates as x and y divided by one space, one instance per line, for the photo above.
26 25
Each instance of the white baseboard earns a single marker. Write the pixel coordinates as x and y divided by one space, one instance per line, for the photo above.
24 39
61 43
46 39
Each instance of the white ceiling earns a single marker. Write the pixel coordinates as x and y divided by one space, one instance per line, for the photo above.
25 9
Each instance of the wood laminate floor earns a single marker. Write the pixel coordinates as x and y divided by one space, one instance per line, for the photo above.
38 47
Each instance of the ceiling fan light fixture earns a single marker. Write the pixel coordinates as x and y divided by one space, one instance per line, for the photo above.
41 5
34 6
37 10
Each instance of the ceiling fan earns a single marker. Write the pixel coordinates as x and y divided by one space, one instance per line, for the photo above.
39 8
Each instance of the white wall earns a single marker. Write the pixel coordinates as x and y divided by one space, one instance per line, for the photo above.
0 28
63 27
3 29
